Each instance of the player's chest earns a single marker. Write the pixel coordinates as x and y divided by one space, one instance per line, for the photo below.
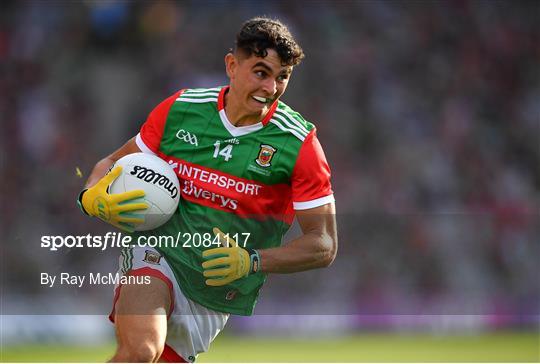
262 155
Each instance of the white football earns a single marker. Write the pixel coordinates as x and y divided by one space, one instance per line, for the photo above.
147 172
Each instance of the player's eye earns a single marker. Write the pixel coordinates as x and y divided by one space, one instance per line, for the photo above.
282 78
260 74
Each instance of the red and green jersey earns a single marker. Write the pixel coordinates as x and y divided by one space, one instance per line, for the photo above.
247 179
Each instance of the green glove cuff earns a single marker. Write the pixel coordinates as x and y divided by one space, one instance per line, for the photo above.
254 261
79 202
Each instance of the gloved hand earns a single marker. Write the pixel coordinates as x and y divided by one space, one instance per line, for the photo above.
114 209
227 264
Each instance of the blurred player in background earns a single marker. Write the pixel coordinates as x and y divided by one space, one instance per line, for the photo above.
247 165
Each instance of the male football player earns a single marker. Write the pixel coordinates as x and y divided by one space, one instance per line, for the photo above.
247 165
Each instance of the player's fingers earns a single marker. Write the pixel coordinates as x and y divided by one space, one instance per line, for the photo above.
126 196
132 207
217 232
209 253
218 282
216 262
216 272
225 240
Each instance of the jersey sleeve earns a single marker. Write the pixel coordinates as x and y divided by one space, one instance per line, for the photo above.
311 185
149 138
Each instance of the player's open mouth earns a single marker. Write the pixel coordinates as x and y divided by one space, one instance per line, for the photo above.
262 100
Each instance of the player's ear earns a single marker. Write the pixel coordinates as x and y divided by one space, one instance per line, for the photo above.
230 65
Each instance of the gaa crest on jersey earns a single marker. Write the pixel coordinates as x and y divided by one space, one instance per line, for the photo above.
265 155
151 257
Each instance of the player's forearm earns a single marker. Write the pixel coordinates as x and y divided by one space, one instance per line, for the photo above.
100 169
310 251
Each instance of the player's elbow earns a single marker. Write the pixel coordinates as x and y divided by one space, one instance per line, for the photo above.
329 250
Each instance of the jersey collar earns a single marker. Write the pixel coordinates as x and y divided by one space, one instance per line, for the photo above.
221 106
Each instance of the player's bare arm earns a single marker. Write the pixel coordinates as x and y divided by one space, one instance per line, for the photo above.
316 248
101 167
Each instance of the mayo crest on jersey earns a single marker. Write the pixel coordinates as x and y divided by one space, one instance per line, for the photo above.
246 179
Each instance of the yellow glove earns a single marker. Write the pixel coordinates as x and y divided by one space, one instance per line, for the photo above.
113 209
227 264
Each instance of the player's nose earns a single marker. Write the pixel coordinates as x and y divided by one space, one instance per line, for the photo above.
270 87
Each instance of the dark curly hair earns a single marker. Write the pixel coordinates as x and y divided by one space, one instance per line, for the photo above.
259 34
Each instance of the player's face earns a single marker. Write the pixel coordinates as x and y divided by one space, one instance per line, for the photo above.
257 82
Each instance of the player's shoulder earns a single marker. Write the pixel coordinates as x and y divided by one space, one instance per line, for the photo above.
291 121
199 95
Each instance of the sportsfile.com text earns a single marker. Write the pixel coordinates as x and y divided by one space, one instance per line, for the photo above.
119 240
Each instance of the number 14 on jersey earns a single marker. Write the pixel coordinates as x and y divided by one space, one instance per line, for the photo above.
225 152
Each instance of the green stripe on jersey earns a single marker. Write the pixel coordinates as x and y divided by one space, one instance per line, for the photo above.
201 90
202 95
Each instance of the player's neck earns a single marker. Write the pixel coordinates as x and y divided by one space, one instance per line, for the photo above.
238 115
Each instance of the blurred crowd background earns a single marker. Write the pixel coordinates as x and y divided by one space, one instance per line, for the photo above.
429 114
